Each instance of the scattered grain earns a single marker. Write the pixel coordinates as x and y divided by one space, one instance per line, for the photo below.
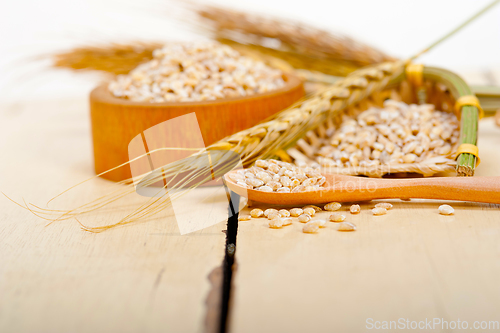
346 226
284 213
309 211
310 228
337 217
320 223
333 206
316 208
276 223
446 210
355 209
273 215
385 205
379 211
256 212
295 212
270 210
304 218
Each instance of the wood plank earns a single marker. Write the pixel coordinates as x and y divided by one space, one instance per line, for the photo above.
144 277
411 263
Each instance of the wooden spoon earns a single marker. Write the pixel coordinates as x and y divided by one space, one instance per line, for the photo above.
349 188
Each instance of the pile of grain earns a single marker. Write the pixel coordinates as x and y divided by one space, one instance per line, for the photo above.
277 176
187 72
398 133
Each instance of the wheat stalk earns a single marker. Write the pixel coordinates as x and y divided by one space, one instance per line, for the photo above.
290 61
115 58
290 37
300 46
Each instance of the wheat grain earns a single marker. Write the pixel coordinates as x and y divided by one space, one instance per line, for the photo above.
379 211
396 134
284 213
244 217
296 212
320 223
333 206
269 211
187 72
337 217
276 223
355 209
256 213
304 218
446 210
310 228
385 205
309 211
283 177
316 208
346 226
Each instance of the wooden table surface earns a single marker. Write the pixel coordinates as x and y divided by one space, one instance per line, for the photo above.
411 263
146 277
139 278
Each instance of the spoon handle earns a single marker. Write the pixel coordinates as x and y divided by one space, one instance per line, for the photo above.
476 189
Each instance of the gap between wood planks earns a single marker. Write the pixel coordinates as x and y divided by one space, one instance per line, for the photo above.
218 300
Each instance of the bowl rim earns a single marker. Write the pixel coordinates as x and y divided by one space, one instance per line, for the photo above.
103 95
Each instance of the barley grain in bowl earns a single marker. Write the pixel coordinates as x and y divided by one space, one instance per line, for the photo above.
228 94
197 71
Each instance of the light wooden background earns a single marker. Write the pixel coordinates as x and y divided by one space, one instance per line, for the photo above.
411 263
141 278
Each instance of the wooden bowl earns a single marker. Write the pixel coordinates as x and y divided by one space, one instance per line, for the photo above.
116 121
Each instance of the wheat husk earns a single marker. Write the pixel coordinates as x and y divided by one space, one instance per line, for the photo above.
115 58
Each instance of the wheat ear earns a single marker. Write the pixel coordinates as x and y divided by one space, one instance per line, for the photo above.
291 36
286 127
